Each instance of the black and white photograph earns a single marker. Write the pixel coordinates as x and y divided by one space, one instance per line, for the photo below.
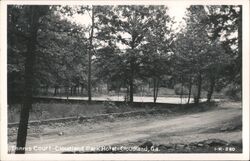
108 78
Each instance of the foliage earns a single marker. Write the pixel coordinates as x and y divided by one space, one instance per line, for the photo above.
199 55
124 46
179 89
130 44
233 91
59 55
110 106
226 24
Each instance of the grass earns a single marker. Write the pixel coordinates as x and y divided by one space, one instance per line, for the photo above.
52 110
41 111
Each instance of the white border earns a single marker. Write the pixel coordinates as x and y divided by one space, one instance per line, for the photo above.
3 91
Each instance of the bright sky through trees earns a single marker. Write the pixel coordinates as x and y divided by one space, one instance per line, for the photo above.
176 11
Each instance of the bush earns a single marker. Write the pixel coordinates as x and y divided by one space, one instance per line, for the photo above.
179 89
233 92
110 106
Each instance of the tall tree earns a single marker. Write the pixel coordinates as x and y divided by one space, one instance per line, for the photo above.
129 26
111 67
226 25
44 50
192 47
90 51
61 53
27 24
156 51
90 29
202 47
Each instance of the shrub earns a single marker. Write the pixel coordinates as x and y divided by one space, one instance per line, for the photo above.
233 92
110 106
179 89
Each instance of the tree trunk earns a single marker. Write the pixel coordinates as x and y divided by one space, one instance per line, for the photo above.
131 79
211 89
55 90
67 93
240 46
131 88
197 98
82 86
29 79
75 90
119 90
132 70
189 90
127 94
156 88
71 91
148 87
181 90
90 55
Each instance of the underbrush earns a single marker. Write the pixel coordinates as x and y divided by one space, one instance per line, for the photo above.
42 111
52 110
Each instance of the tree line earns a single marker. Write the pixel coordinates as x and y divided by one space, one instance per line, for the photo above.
46 49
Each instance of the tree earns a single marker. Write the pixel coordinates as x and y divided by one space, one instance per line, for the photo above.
54 56
111 67
90 51
128 25
192 49
226 25
202 50
69 67
27 27
157 51
89 30
93 32
217 59
62 52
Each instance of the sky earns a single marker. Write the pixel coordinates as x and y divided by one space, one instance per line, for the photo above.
177 11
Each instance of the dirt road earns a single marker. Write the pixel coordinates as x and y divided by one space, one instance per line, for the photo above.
160 129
